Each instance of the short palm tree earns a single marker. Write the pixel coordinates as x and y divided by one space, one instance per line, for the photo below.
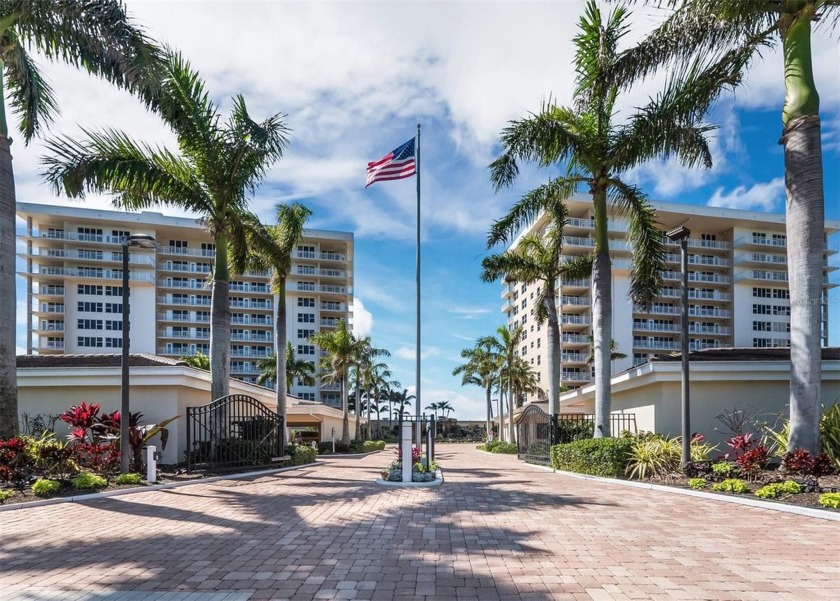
615 354
295 369
481 368
596 151
376 376
219 166
95 35
341 349
505 344
445 408
272 247
538 258
433 407
735 32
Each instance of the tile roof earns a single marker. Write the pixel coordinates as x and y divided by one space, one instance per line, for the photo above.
94 360
744 354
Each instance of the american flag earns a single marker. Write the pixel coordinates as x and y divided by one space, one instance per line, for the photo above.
397 164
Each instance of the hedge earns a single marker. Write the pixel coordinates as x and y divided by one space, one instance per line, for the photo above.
497 446
607 457
301 454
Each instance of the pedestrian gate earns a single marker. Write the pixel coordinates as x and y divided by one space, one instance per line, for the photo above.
533 430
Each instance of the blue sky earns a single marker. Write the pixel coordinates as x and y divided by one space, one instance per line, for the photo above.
355 78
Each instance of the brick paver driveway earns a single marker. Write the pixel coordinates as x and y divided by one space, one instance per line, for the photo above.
496 530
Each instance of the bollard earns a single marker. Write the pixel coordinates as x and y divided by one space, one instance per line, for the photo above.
406 451
151 465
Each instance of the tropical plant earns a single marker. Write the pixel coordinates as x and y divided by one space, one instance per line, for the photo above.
737 32
697 483
45 488
654 457
597 152
220 165
830 499
95 35
433 407
363 369
803 462
732 485
129 479
830 433
139 435
87 481
340 348
480 369
505 345
615 354
445 408
199 361
271 248
296 369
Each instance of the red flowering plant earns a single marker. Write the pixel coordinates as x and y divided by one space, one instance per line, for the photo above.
800 461
92 447
15 463
138 436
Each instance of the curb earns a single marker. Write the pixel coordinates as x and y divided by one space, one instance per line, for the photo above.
153 487
436 482
340 455
794 509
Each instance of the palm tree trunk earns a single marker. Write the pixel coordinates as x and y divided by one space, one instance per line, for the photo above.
281 380
345 420
367 431
601 316
554 366
8 336
220 327
501 413
805 236
489 425
510 401
358 407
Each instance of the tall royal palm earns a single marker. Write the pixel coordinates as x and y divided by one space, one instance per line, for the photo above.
596 151
481 368
537 258
272 247
505 344
95 35
341 349
220 165
295 369
737 31
375 374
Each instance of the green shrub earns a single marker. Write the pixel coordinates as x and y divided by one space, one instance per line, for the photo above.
481 447
722 469
45 488
490 445
731 485
325 448
505 448
697 483
654 457
5 495
830 499
129 479
373 445
86 481
773 490
570 430
606 457
301 454
51 456
830 433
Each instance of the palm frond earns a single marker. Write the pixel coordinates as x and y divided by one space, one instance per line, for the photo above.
30 96
578 268
646 238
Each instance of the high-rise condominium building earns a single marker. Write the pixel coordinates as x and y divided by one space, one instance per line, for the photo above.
73 272
738 290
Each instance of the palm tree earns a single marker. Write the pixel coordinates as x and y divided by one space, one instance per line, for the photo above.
736 32
596 152
363 366
295 369
199 361
445 407
433 407
480 369
538 258
105 43
376 376
341 348
401 400
505 345
271 247
523 380
219 166
614 352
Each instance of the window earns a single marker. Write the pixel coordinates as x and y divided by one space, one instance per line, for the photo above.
113 307
112 324
89 324
306 318
90 234
113 343
306 251
781 310
85 253
208 249
305 334
762 342
93 272
88 307
89 289
779 240
781 293
781 326
120 234
307 396
762 309
306 286
639 358
762 292
89 341
306 269
305 301
179 246
538 359
761 326
113 290
180 332
306 349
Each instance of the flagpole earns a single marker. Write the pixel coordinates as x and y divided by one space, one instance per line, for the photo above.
418 434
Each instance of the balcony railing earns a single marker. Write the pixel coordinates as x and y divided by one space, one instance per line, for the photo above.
574 376
189 268
99 274
699 260
698 294
573 339
249 320
250 304
693 276
144 260
699 243
188 284
761 241
573 358
189 318
577 301
189 252
576 320
170 299
762 275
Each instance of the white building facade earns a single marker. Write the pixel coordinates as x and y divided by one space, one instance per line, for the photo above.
738 290
73 273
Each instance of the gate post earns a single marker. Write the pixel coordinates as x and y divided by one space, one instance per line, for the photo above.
553 427
405 444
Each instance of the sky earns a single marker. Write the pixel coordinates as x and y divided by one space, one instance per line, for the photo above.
355 78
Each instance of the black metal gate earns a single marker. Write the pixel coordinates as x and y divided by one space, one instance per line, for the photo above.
233 432
533 434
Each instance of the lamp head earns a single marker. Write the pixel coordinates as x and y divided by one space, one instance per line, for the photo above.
678 233
141 241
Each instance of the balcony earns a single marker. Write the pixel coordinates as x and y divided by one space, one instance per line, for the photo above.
761 275
698 294
188 252
77 237
48 291
186 318
761 259
97 256
574 376
187 284
50 327
264 337
573 357
698 243
574 320
264 305
693 276
574 339
258 353
330 387
329 322
614 245
188 268
83 273
613 225
699 260
193 301
761 241
249 288
51 345
185 334
253 320
327 306
49 308
568 283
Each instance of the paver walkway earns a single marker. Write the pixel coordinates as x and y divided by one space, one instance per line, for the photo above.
495 531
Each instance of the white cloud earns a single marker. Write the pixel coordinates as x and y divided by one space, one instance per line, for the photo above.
409 353
467 406
470 312
764 196
362 319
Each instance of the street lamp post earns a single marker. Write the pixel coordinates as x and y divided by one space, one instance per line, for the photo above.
138 241
681 235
